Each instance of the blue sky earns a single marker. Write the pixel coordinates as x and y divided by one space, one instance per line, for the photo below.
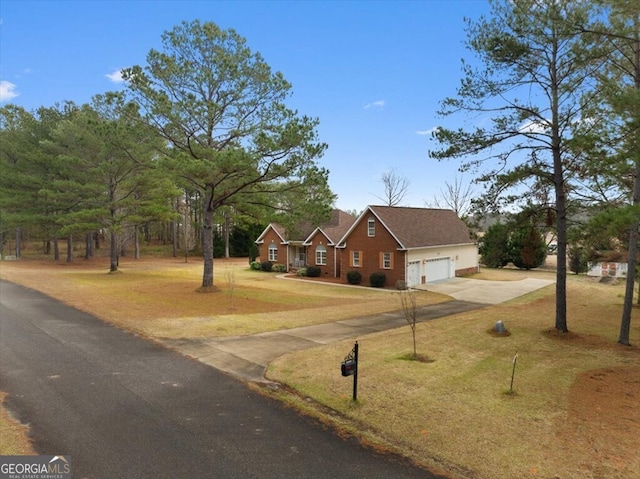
373 72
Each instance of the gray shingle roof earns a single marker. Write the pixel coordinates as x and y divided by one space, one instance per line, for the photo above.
420 227
335 228
338 226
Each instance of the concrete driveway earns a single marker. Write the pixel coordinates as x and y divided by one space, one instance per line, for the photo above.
247 357
486 292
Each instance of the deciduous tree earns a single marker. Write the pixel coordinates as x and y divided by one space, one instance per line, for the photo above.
395 187
456 196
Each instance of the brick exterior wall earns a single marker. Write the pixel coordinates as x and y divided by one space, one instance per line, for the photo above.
263 250
466 271
328 268
370 248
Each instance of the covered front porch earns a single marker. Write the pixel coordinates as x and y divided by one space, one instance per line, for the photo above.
297 256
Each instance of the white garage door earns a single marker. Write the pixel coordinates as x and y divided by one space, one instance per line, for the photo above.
413 274
437 269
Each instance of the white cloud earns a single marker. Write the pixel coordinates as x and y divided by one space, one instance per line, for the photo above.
426 132
115 77
375 104
534 127
7 91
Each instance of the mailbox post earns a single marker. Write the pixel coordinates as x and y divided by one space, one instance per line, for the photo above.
349 367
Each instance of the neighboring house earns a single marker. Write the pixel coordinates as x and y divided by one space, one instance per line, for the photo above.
306 245
414 245
607 268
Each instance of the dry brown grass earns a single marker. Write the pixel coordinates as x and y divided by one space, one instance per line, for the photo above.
158 298
574 414
457 413
13 434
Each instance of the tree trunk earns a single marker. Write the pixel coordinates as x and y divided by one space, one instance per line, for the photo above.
560 195
174 238
69 249
227 227
207 237
185 233
625 323
136 241
113 267
56 248
561 272
18 245
88 246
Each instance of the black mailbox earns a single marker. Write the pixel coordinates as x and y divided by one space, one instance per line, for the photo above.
348 367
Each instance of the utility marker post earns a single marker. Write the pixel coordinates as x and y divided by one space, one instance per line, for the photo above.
513 372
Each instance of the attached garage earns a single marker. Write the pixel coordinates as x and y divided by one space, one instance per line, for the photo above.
438 268
413 274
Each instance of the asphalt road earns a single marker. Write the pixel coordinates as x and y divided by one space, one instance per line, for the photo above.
124 407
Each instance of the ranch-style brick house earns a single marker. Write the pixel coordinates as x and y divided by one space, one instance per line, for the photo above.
308 245
412 245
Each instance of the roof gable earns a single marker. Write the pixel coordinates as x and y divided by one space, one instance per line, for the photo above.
418 227
333 229
279 230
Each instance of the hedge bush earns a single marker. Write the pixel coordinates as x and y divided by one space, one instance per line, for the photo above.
255 265
354 277
313 271
302 272
377 280
278 268
266 266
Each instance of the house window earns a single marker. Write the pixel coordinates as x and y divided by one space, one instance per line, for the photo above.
273 252
321 255
356 259
386 260
371 227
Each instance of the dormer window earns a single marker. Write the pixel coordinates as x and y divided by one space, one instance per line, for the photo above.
371 227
